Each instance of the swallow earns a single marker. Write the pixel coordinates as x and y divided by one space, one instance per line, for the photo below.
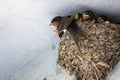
61 23
88 15
101 19
69 24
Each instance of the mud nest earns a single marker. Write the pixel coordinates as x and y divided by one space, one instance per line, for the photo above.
94 57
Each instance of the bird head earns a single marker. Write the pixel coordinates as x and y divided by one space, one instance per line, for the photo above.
102 18
56 21
88 15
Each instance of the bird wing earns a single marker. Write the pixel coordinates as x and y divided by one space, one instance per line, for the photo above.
65 22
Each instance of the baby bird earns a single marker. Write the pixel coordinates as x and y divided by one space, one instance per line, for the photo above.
88 15
101 19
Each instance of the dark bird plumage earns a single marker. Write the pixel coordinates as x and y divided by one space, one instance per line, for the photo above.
56 19
61 23
68 23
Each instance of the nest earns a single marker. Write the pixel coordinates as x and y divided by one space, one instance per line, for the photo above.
94 57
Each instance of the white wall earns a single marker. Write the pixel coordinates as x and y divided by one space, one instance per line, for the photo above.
26 40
